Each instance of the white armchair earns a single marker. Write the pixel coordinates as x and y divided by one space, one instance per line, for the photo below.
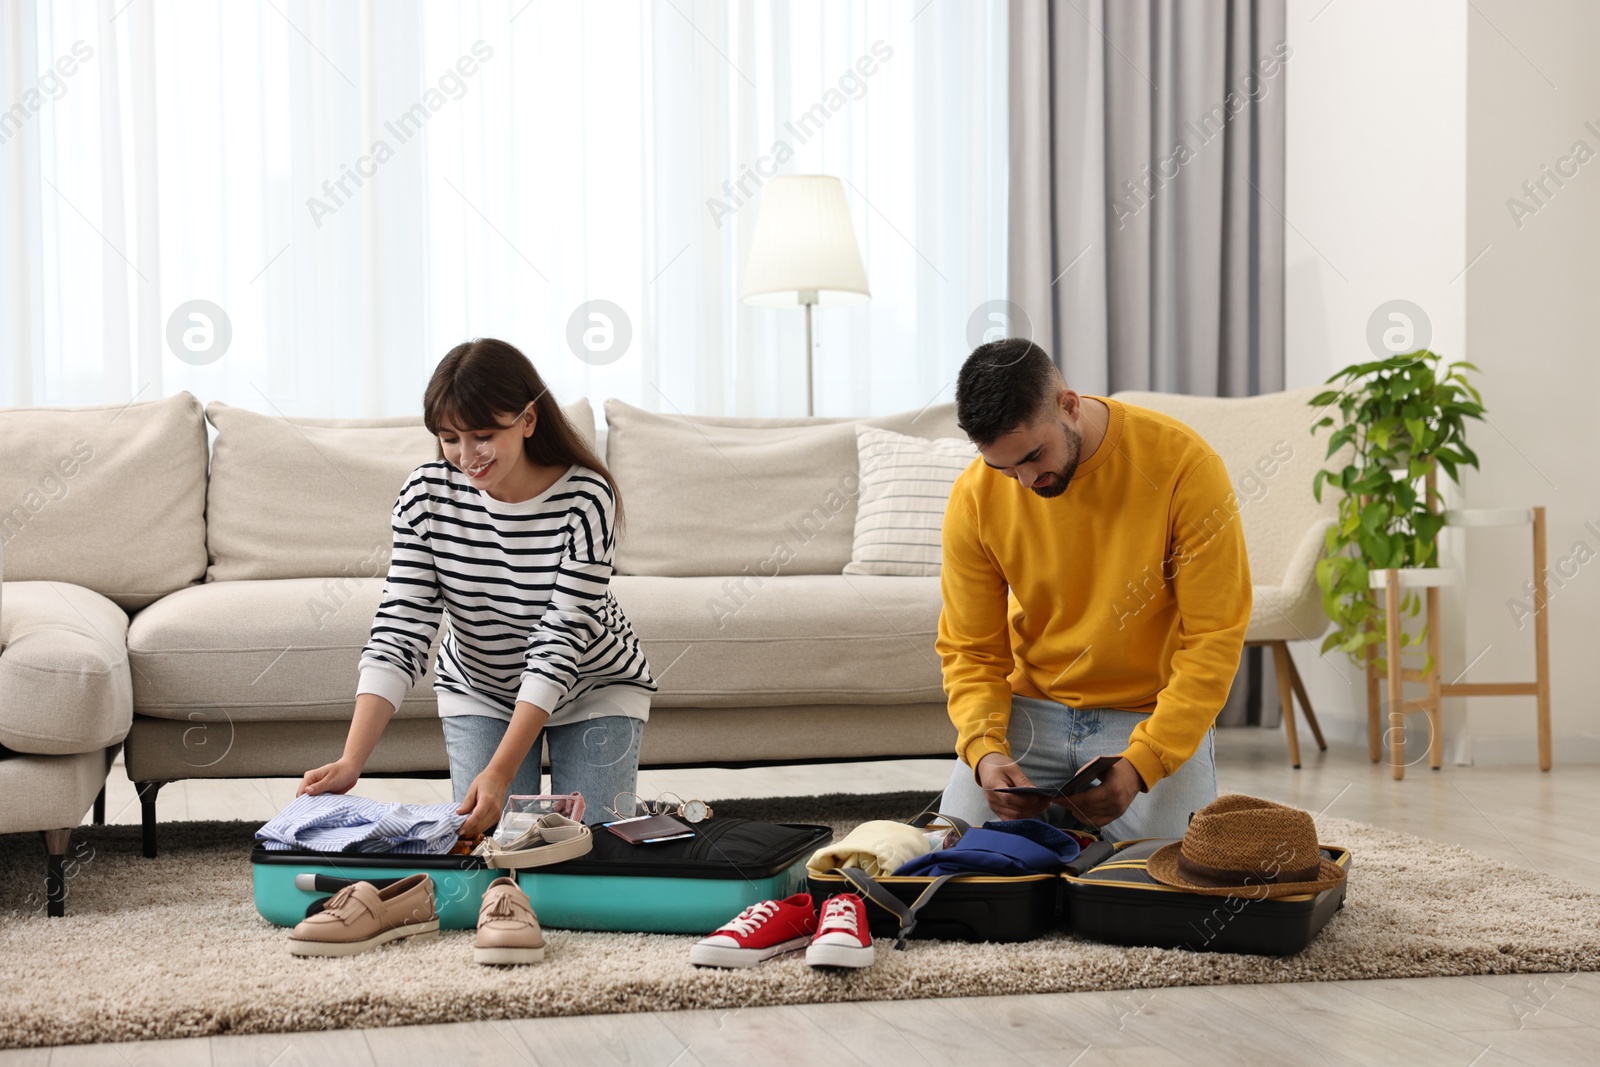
1267 446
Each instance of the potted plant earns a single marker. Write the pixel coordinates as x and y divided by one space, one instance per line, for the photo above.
1402 416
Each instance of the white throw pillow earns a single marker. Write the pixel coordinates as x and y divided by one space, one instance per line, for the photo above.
711 495
905 484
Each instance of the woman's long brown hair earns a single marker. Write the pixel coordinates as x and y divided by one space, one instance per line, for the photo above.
482 379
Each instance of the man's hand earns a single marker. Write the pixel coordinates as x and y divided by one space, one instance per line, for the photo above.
996 770
485 799
1107 801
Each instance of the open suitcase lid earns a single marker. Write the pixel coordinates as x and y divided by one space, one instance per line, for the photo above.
723 847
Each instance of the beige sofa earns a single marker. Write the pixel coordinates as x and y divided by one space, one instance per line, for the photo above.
244 594
210 619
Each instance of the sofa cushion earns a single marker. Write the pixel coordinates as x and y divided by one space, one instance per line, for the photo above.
64 686
794 639
50 792
905 485
289 649
311 498
110 497
279 649
707 495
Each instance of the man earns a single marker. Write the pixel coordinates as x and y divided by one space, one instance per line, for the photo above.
1117 534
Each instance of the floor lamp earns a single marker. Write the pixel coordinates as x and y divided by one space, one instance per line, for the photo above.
804 253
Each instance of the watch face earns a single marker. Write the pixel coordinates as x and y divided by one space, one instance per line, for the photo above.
696 810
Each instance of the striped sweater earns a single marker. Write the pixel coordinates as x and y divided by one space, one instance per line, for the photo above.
525 591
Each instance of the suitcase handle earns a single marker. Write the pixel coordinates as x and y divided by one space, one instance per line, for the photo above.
885 899
327 883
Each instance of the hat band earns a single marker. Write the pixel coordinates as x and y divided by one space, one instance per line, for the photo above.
1201 874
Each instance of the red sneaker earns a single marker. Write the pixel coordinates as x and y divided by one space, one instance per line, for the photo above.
758 933
843 939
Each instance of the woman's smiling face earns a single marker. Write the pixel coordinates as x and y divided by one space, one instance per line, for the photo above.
485 456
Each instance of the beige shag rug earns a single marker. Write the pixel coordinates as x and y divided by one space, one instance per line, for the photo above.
173 947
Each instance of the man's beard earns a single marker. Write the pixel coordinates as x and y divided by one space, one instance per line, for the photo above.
1061 479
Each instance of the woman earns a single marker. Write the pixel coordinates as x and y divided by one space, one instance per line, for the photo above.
509 535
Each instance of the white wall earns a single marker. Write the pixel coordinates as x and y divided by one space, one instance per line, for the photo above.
1409 126
1375 198
1532 85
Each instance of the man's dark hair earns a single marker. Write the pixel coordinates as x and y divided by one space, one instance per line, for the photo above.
1002 385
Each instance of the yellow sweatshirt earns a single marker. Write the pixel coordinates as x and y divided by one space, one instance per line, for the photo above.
1130 590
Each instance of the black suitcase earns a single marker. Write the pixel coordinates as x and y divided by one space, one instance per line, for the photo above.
1117 901
966 907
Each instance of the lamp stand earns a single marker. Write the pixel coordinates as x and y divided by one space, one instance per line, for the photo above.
808 297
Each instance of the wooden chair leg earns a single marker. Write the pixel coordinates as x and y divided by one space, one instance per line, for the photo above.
1397 718
1435 717
1282 668
1374 735
1305 702
1541 639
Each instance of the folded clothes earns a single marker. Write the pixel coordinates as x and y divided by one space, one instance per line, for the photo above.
877 847
338 823
1003 847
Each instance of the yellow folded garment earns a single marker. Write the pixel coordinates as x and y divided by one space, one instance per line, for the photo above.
878 848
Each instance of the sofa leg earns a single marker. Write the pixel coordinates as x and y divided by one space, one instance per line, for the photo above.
99 818
147 814
55 875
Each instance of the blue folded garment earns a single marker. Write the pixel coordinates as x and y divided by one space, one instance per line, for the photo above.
338 823
1002 847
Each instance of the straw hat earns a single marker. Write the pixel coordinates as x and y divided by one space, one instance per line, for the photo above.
1239 846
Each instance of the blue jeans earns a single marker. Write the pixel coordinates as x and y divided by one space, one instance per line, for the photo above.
1051 741
597 758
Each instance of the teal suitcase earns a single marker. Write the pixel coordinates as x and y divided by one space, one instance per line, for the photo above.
691 886
287 883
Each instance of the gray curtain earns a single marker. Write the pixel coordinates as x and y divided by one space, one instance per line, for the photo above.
1145 234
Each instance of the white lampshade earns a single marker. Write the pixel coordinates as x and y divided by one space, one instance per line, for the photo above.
804 244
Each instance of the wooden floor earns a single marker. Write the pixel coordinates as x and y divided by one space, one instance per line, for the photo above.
1545 821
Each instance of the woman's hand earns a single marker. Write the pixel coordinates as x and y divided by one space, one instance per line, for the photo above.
335 777
485 799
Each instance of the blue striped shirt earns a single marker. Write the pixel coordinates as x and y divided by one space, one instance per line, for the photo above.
524 591
339 823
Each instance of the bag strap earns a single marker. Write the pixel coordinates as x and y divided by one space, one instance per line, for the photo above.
922 819
563 843
880 896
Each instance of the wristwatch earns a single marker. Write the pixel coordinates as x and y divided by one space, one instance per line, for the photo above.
693 811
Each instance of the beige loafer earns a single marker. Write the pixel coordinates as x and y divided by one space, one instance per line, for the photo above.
508 931
361 916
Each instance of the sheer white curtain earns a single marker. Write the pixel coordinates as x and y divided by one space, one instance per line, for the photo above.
359 186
